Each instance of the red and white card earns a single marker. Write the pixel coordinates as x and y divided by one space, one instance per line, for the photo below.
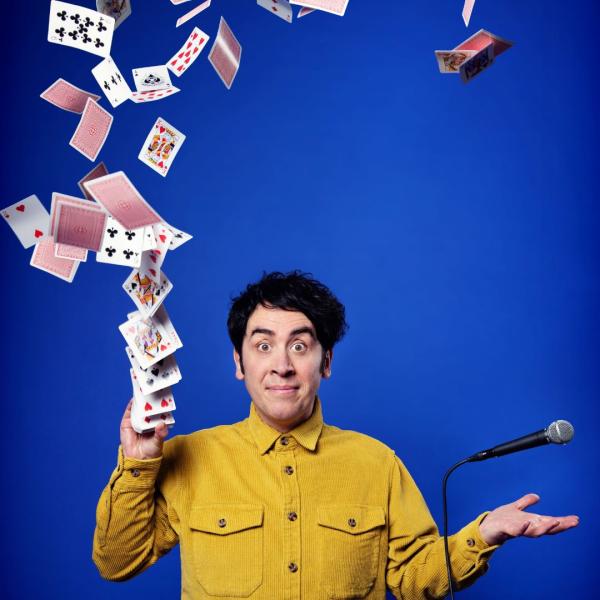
192 13
280 8
76 222
146 294
304 11
225 54
72 252
161 146
92 131
336 7
153 95
157 377
43 258
155 403
183 59
28 219
67 96
120 198
99 170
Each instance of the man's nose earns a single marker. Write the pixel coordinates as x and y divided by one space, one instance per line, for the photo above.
282 364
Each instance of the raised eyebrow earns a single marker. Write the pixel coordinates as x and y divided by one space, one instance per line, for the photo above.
304 329
263 331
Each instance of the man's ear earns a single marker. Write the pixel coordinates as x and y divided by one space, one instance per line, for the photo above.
326 369
239 367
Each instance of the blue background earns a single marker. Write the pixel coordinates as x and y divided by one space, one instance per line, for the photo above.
458 223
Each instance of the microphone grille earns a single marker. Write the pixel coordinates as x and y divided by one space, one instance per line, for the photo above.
560 432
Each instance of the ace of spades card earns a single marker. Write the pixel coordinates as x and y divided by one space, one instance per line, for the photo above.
121 246
78 27
146 294
152 78
161 146
157 377
112 82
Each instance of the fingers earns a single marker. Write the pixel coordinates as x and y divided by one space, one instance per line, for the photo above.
526 500
160 433
126 420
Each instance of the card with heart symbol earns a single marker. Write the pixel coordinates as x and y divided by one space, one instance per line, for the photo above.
161 146
28 219
148 339
156 403
145 293
157 377
184 58
152 260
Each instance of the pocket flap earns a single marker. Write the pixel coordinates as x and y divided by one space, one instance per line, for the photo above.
224 519
351 518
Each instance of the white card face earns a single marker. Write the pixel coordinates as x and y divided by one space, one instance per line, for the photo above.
157 377
281 8
162 318
161 146
79 27
119 10
145 293
144 424
148 79
153 260
155 403
149 239
28 219
111 81
183 59
148 339
179 237
121 246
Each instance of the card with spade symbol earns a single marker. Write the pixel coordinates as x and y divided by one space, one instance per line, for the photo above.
161 146
146 294
148 79
28 219
111 82
121 246
148 339
157 377
79 27
152 260
152 404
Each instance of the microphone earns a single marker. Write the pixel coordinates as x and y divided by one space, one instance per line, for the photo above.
558 432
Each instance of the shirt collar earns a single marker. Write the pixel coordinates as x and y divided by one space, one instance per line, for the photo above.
306 434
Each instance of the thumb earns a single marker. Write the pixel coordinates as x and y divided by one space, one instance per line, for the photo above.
526 500
160 433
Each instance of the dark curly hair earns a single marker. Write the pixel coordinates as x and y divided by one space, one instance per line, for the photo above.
296 291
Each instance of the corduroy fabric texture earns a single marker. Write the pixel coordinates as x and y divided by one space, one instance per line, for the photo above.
316 513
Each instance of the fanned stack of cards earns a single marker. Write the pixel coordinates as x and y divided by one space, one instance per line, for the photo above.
473 56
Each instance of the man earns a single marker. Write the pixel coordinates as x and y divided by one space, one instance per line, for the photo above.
280 505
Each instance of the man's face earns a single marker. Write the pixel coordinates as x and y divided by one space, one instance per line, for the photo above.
283 364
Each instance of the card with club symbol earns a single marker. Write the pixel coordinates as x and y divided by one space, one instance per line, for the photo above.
121 246
157 377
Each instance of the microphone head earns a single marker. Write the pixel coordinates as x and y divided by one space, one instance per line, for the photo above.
560 432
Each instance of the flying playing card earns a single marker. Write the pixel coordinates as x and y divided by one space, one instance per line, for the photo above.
187 54
72 252
450 61
157 377
99 170
58 199
179 237
121 246
467 10
145 293
477 63
148 340
304 11
225 54
81 28
79 226
92 131
152 95
152 79
66 96
281 8
481 39
119 10
192 13
152 260
142 424
113 84
155 403
337 7
43 258
118 196
28 219
149 239
162 318
161 146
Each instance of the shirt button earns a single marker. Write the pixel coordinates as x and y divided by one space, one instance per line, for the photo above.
135 472
222 522
470 542
352 522
284 441
293 567
292 516
289 470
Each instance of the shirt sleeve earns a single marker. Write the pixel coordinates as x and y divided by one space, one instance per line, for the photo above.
416 565
135 523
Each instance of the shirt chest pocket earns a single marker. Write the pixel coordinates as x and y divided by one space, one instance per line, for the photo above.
350 536
227 546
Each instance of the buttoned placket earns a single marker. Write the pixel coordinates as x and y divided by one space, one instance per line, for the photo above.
286 449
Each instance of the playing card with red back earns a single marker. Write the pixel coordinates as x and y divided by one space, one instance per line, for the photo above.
192 13
43 258
99 170
79 226
482 39
120 198
336 7
183 59
67 96
225 54
92 131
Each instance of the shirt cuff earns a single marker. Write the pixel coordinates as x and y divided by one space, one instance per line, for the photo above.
472 547
134 473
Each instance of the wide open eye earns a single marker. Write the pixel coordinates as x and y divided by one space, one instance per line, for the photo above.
298 346
264 347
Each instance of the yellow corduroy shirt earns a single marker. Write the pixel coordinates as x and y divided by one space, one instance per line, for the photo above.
316 513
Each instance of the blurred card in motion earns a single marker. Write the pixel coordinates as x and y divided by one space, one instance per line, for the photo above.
225 54
92 131
119 10
67 96
280 8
